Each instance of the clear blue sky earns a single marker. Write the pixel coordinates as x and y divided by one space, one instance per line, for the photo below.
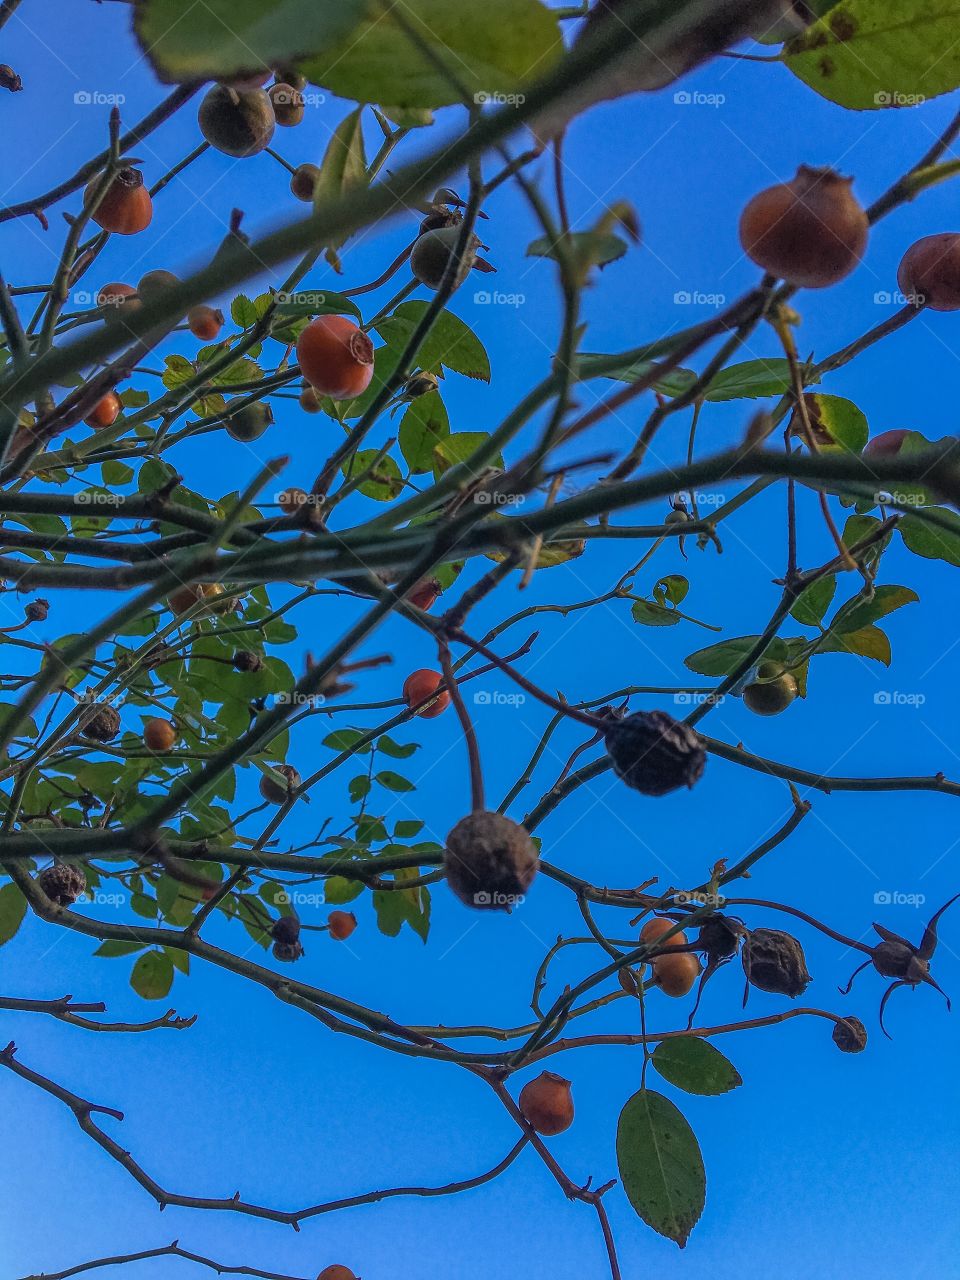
822 1163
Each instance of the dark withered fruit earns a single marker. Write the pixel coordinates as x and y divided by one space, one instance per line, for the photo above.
100 721
63 883
850 1035
653 753
489 861
774 961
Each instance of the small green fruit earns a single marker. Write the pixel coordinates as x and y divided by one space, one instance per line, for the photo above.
250 422
772 692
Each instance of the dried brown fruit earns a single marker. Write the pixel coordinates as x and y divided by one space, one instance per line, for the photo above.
36 610
774 961
247 660
929 273
653 753
237 123
100 722
850 1035
433 256
63 883
286 930
272 791
489 861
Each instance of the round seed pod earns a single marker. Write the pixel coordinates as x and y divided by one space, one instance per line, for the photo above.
655 754
287 952
893 959
774 961
100 722
489 861
719 937
850 1035
247 660
238 124
303 181
546 1104
63 883
286 930
433 255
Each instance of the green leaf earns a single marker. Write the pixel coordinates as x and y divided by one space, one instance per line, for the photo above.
660 1165
343 169
243 312
837 423
422 427
868 642
859 613
489 49
224 37
720 659
394 781
407 828
940 541
13 907
449 341
396 750
152 975
316 302
694 1065
870 54
114 949
590 248
650 614
345 740
673 587
814 601
751 380
338 890
383 483
460 447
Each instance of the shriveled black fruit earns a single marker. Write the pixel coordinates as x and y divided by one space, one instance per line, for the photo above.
247 660
100 722
63 883
654 753
489 861
433 254
250 422
850 1035
719 937
774 961
286 930
238 124
287 951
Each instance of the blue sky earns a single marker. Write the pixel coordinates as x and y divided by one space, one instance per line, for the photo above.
821 1162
